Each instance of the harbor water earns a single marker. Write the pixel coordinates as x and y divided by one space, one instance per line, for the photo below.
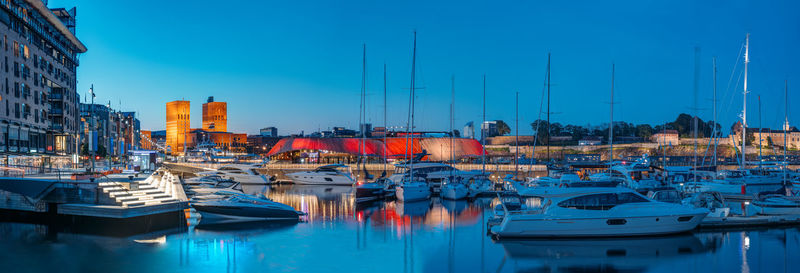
338 235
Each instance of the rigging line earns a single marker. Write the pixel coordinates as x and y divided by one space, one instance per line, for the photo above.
730 80
538 121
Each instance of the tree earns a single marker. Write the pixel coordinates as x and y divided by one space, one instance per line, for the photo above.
644 131
502 128
540 129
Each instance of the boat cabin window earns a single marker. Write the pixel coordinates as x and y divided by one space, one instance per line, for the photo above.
228 169
603 201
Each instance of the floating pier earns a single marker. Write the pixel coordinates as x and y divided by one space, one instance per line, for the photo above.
119 202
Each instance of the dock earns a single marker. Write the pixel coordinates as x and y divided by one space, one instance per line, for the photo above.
124 202
750 221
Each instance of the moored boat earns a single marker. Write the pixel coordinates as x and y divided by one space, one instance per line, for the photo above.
599 212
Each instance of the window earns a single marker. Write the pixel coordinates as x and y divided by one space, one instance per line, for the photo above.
629 197
16 49
16 89
16 110
16 69
603 201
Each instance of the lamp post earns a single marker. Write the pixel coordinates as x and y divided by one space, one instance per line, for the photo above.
94 128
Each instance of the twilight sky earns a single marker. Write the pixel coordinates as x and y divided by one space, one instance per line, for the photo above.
296 65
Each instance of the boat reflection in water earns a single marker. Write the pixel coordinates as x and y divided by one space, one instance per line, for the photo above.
385 236
606 255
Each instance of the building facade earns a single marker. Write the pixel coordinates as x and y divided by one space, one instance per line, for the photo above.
269 132
215 116
38 102
769 137
177 126
666 137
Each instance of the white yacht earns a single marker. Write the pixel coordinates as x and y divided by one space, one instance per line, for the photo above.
242 173
775 204
598 212
433 173
454 189
237 207
409 190
324 175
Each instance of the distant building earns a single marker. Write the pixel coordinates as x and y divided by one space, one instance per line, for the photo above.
260 144
469 130
665 137
177 125
775 137
366 128
269 132
146 140
215 115
590 141
343 132
378 132
489 128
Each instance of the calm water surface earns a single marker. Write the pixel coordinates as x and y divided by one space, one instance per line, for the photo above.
431 236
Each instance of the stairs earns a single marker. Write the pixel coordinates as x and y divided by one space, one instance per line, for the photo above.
152 191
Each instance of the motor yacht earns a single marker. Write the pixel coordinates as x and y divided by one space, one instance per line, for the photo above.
242 173
324 175
598 212
238 207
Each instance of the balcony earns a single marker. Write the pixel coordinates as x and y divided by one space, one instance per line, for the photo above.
55 97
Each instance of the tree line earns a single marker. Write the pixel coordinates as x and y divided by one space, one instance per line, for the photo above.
683 124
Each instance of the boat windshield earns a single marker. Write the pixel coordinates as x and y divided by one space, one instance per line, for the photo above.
602 201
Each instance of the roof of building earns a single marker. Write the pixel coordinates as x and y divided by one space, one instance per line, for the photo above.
52 19
395 147
668 132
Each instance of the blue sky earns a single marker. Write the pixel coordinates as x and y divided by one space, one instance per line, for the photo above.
296 65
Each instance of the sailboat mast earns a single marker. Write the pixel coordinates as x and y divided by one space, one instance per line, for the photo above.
786 126
483 135
744 101
548 106
714 109
362 115
452 118
759 131
516 129
413 89
385 124
694 119
611 124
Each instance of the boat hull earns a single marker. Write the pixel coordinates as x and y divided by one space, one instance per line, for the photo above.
539 226
412 193
369 192
303 178
454 192
230 214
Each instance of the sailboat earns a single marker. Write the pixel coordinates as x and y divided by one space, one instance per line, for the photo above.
481 184
410 187
365 192
453 188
